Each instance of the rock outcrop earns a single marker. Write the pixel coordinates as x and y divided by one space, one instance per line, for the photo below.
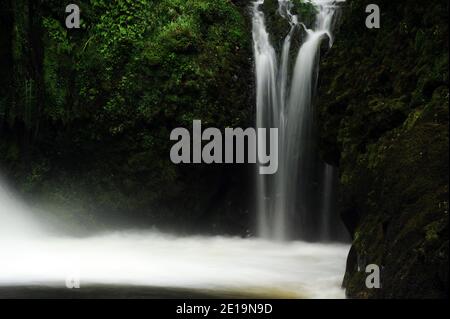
383 117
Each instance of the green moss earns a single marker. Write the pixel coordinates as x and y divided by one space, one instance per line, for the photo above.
110 94
388 131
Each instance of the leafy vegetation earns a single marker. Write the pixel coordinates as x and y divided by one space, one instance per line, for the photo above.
88 112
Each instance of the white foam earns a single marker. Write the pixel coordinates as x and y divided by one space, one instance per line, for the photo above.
296 269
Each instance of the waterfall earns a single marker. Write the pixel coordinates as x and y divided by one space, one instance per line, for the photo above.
328 198
42 254
284 101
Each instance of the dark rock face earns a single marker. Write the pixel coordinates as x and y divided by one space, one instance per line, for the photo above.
383 117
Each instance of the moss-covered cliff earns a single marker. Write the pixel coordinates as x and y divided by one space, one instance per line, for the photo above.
85 115
383 117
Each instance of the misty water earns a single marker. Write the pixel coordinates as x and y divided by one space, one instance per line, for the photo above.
220 266
33 256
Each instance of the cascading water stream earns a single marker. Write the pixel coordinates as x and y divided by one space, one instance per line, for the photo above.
31 255
286 103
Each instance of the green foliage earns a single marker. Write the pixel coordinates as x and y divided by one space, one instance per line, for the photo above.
114 89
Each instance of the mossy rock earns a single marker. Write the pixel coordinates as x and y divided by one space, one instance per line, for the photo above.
388 132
